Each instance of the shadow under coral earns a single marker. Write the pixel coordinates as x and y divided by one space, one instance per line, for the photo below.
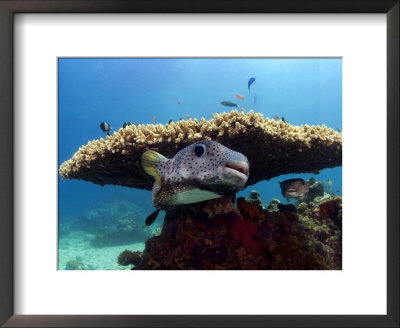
218 235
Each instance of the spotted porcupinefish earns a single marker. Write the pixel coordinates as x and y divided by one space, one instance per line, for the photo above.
202 171
295 188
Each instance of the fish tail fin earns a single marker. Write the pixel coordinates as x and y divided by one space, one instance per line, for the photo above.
150 159
152 217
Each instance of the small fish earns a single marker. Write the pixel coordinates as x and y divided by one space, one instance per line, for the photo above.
329 182
242 109
152 217
338 130
127 123
153 118
295 188
106 127
187 116
179 102
229 104
240 97
170 121
202 171
251 81
276 117
283 119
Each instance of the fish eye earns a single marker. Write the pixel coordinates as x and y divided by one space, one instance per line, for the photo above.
200 150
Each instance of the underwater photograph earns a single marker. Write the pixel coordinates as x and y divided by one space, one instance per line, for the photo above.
199 163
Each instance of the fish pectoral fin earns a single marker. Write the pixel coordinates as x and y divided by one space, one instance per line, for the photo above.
150 159
152 217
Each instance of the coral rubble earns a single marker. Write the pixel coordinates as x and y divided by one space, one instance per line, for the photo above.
272 147
129 257
246 237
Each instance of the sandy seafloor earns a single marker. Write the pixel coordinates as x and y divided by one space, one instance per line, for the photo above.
75 246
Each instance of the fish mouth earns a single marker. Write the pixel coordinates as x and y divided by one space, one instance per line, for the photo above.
239 168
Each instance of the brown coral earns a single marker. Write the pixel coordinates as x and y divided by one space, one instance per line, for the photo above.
272 148
250 238
332 209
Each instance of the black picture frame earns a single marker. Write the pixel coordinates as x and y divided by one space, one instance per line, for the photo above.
10 7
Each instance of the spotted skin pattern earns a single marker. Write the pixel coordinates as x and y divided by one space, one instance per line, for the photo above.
201 171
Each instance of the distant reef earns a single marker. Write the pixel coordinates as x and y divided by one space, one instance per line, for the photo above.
114 222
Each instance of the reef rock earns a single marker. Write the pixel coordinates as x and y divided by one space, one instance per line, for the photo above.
316 189
254 197
273 205
246 237
272 147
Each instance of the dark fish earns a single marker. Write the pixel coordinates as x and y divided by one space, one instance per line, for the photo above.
152 217
283 119
229 104
128 123
170 121
295 188
105 127
251 81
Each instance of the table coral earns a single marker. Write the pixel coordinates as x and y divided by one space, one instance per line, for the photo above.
272 147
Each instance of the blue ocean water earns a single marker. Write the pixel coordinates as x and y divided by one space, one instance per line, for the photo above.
92 90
